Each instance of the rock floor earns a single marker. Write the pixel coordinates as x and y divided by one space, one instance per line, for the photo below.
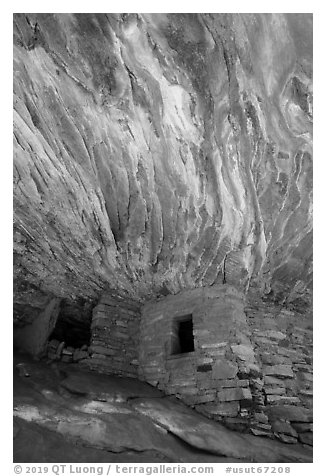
65 414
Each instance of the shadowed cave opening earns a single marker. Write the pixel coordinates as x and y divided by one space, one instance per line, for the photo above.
63 322
73 325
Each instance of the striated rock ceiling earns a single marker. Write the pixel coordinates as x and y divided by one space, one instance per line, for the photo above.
158 152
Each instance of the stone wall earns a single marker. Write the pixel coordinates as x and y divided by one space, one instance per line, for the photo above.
115 337
214 378
248 370
284 348
248 365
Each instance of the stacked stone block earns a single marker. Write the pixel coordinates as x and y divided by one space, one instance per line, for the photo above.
57 350
115 337
249 370
283 346
251 367
215 378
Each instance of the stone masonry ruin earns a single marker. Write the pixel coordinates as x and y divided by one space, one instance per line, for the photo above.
236 361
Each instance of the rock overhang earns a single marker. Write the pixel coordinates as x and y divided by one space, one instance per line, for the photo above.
157 153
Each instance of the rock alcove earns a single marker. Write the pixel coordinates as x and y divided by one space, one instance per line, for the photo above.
163 206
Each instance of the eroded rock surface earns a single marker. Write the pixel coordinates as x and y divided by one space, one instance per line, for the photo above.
105 418
159 152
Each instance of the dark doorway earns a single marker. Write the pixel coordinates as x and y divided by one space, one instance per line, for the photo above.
73 325
182 335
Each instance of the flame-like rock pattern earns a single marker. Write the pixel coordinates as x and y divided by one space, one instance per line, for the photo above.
159 152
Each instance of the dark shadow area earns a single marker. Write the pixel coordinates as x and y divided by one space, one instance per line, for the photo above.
182 337
73 325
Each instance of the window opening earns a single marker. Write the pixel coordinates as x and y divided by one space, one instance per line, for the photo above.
182 335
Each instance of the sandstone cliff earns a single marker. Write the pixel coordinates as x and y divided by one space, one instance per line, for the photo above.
160 152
